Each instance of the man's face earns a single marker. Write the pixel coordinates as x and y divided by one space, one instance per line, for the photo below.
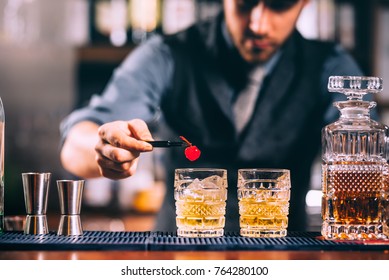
259 27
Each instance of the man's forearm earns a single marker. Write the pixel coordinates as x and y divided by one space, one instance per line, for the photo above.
78 154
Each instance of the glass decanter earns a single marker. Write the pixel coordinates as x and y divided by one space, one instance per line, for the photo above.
354 163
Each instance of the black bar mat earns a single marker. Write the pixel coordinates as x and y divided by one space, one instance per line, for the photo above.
159 241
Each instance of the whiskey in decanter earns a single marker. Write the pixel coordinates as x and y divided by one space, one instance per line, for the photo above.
353 163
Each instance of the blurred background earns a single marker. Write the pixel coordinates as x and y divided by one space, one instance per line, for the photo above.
54 54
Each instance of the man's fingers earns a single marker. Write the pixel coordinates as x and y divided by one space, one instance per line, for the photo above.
119 147
139 130
109 164
112 174
114 170
119 135
115 154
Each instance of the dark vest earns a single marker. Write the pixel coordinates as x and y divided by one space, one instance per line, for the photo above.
284 132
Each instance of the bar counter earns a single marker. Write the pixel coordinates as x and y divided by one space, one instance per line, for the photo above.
194 255
131 238
102 245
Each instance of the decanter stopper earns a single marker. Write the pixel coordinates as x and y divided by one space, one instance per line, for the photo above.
355 87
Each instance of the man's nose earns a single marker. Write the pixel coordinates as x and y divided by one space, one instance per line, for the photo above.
259 19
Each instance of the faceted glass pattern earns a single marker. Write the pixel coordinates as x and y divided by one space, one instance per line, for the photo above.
354 163
200 196
263 202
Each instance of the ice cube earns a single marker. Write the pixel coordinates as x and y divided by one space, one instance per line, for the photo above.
194 191
195 185
213 182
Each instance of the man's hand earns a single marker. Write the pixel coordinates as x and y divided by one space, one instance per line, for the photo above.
119 146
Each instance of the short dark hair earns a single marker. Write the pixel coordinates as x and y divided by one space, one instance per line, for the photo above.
276 5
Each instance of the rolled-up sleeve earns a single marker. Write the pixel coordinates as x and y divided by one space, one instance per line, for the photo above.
134 90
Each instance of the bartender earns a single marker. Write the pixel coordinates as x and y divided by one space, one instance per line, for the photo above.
245 87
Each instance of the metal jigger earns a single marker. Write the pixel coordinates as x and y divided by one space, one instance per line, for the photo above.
36 189
70 195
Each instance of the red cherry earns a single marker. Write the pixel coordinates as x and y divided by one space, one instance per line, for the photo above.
192 153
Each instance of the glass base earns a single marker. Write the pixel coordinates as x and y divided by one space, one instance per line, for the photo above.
250 232
333 231
200 233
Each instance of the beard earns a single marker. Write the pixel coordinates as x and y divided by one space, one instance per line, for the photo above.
254 54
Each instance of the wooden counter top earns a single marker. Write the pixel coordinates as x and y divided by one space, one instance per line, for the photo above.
199 255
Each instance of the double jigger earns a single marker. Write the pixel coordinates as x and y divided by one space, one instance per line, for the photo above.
70 194
36 189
